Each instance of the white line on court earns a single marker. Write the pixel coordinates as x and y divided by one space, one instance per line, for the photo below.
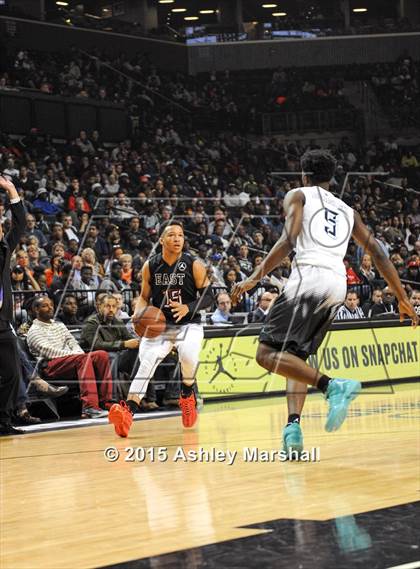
412 565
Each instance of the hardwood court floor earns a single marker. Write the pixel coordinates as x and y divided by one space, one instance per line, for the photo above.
63 505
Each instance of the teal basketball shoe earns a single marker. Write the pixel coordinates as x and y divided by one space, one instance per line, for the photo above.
339 395
292 438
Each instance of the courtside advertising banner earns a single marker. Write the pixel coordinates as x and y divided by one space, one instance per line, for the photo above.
228 366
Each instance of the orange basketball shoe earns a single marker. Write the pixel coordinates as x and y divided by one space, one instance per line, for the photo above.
189 410
120 416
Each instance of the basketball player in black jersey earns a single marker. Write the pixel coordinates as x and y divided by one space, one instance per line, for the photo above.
177 283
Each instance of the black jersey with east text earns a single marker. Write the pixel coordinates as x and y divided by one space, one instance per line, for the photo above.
173 282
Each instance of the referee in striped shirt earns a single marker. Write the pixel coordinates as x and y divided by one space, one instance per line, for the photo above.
350 310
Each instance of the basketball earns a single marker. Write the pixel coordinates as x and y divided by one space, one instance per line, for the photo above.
150 323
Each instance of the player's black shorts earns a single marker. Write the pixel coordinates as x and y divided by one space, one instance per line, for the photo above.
301 315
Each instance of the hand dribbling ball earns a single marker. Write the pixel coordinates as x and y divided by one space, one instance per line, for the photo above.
149 323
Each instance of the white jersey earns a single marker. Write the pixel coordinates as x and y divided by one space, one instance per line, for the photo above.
327 226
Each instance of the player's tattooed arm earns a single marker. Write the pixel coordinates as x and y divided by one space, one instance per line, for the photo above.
145 293
205 292
293 207
363 236
201 278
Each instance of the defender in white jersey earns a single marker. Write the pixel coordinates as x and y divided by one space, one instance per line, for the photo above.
318 227
317 284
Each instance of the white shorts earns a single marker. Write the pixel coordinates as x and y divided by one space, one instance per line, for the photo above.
187 339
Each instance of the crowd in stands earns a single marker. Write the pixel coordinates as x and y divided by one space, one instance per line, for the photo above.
94 211
230 100
142 182
397 86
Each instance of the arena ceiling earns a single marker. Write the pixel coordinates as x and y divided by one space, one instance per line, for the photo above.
204 12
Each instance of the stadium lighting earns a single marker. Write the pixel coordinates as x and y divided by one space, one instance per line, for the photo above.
359 9
62 3
206 11
269 5
191 18
279 14
178 10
